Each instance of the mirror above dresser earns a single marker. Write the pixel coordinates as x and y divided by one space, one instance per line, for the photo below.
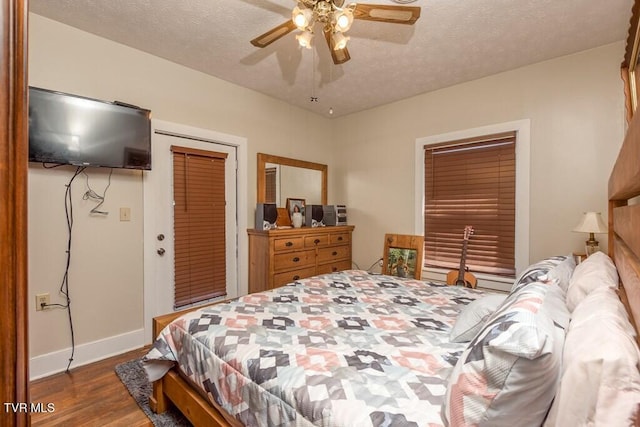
280 178
282 255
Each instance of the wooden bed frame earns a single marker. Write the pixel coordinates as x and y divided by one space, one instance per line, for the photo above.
173 389
624 249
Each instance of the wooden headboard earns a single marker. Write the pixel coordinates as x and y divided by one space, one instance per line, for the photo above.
624 185
624 220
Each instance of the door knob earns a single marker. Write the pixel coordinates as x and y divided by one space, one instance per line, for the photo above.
161 251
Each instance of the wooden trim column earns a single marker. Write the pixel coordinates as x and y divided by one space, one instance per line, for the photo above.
13 212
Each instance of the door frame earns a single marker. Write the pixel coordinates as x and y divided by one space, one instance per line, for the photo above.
151 308
14 146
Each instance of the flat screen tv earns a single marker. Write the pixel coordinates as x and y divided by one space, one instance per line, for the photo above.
68 129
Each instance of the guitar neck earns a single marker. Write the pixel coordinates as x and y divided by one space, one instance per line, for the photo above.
462 261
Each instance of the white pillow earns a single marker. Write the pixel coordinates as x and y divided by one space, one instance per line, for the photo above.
600 382
596 271
473 317
562 273
601 303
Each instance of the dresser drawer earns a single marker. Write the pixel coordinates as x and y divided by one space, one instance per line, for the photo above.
281 279
316 240
333 253
288 243
282 256
339 238
332 267
291 260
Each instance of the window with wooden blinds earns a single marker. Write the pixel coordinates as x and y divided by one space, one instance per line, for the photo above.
199 225
471 182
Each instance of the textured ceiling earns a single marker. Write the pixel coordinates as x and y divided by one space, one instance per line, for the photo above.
452 42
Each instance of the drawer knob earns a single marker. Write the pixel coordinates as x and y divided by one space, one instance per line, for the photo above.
334 269
339 238
316 241
296 259
288 244
296 277
334 253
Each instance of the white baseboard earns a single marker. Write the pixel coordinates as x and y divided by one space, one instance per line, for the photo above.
52 363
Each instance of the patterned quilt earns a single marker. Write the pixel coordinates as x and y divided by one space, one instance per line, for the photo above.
342 349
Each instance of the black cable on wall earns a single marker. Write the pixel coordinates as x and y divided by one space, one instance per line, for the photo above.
64 286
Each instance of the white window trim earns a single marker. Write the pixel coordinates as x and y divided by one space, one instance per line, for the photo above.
522 129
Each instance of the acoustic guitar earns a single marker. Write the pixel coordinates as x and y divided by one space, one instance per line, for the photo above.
461 277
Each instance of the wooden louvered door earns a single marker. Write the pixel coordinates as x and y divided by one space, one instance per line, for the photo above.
199 225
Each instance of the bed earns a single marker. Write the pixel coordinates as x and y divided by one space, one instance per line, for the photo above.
356 349
347 348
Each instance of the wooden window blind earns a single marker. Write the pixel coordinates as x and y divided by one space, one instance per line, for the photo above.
199 225
270 175
471 182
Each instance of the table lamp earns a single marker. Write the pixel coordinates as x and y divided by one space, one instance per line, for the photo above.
591 223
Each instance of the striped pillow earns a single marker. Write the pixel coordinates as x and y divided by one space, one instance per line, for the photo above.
509 372
537 272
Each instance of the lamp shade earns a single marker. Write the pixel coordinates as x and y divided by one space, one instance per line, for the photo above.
591 223
339 41
343 20
304 39
301 17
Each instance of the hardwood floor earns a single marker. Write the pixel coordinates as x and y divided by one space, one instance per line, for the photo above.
90 395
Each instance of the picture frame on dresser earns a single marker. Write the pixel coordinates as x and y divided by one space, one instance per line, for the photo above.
293 204
283 219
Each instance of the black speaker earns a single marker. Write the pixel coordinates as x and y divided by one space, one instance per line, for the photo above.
313 216
341 215
266 216
329 215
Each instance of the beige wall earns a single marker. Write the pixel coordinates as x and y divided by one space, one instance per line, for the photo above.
106 277
574 103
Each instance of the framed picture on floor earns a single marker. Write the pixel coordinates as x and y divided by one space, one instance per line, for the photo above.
403 255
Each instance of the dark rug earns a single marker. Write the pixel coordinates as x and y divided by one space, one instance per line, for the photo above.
134 377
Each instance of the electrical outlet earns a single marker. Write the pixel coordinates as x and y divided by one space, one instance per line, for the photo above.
380 263
40 300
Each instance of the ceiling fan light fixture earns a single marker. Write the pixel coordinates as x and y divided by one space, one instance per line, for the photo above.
335 18
343 20
302 18
304 39
339 40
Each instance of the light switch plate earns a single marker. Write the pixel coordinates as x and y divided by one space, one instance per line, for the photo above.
125 214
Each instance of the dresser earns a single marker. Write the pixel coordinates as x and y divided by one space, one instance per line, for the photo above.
281 256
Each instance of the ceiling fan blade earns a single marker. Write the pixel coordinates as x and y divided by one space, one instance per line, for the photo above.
339 56
386 13
274 34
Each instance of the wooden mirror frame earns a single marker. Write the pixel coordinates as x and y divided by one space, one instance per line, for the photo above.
263 159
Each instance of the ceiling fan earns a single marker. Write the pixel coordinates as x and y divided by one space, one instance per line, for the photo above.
335 19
